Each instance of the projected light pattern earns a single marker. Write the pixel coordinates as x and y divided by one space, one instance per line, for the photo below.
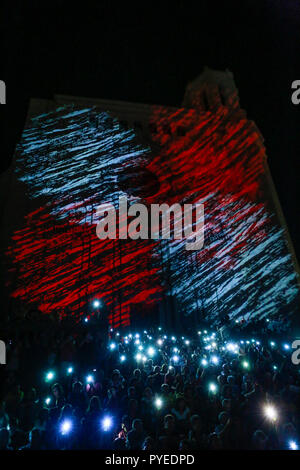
71 159
244 269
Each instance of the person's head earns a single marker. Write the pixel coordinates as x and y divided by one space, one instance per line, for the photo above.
259 440
165 389
4 438
289 431
169 422
196 423
77 388
57 391
137 374
137 425
148 394
125 422
116 377
149 364
222 379
156 370
226 404
94 405
223 417
148 444
164 368
131 392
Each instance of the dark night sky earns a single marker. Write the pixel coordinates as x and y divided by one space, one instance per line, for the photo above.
147 52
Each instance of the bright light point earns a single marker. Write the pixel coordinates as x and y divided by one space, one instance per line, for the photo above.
231 347
86 319
205 332
173 338
245 364
286 346
137 341
123 358
70 370
159 328
272 343
151 351
212 388
204 362
137 335
175 358
112 346
271 412
138 357
199 332
66 426
293 445
96 303
50 375
159 342
158 403
89 379
187 342
214 345
275 367
106 423
140 348
215 360
48 401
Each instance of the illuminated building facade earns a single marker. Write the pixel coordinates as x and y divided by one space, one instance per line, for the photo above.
78 153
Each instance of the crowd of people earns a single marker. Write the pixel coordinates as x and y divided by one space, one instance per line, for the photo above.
80 385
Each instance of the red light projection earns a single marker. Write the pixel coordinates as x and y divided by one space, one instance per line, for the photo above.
59 264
